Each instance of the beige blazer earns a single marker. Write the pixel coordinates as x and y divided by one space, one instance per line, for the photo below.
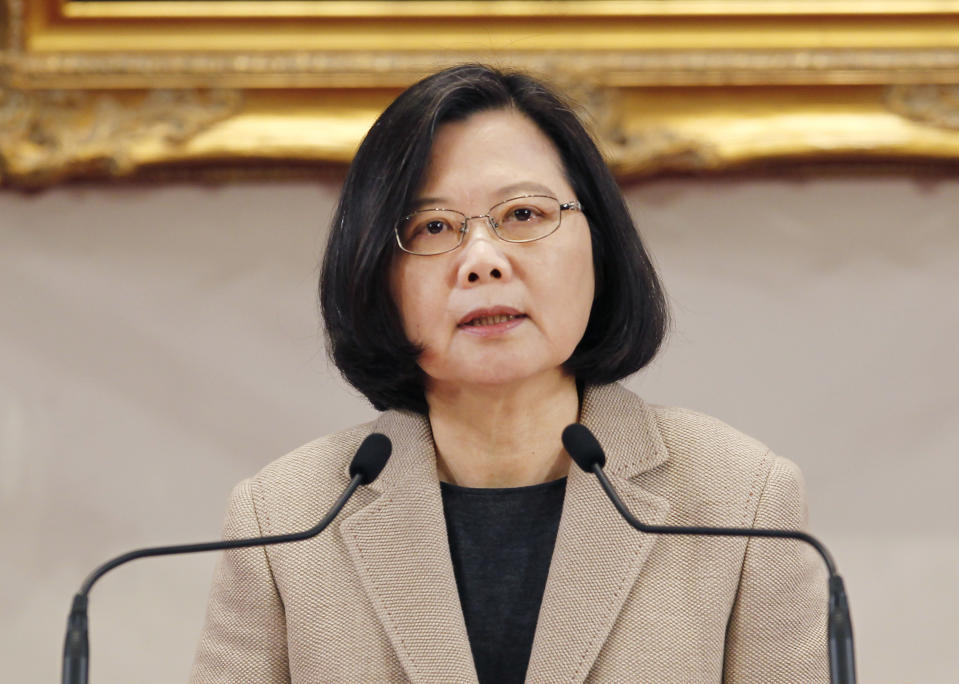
373 598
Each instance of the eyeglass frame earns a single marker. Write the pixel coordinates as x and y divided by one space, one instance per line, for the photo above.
573 205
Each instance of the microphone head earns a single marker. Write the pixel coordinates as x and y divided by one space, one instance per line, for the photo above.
582 447
371 457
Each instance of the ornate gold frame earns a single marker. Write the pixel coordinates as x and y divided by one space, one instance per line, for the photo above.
110 89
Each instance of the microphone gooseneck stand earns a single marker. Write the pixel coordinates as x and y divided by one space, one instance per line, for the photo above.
369 460
585 450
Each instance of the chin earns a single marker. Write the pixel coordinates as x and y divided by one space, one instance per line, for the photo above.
491 375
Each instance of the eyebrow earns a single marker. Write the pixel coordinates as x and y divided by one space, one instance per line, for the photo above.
506 192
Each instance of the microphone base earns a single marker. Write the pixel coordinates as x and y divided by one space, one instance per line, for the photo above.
842 658
76 648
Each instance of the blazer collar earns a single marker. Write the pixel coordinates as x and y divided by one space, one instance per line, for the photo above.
598 556
399 546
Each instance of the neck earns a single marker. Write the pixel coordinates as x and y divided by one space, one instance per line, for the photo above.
496 436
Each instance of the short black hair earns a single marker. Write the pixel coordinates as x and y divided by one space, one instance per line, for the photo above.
628 320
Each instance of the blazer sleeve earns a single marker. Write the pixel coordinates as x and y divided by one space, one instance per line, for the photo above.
777 628
244 639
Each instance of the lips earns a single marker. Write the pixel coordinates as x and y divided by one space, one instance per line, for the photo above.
490 320
489 316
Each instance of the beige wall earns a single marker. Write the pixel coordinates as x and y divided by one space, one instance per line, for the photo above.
157 344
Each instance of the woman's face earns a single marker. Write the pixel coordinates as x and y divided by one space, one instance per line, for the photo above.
491 311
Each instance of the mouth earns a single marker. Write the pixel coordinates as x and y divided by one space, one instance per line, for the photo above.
490 320
489 317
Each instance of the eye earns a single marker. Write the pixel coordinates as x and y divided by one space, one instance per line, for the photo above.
523 212
428 226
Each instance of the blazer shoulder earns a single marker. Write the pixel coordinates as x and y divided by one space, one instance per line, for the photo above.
710 461
317 465
291 492
693 436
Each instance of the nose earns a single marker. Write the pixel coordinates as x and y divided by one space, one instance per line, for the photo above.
483 260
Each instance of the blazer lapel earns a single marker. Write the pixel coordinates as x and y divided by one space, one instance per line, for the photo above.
598 556
399 546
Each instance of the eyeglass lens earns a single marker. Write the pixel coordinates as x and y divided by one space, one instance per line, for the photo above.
521 219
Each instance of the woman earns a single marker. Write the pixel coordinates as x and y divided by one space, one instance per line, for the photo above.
484 285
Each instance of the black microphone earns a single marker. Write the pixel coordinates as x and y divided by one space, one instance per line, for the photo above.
585 450
365 467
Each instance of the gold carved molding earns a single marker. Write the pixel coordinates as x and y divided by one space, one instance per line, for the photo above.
51 134
108 89
933 105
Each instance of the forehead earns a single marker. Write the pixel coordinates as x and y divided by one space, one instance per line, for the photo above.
491 156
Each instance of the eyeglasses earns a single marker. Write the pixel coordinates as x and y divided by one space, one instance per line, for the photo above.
521 219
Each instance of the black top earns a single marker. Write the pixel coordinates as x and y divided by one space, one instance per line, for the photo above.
501 543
